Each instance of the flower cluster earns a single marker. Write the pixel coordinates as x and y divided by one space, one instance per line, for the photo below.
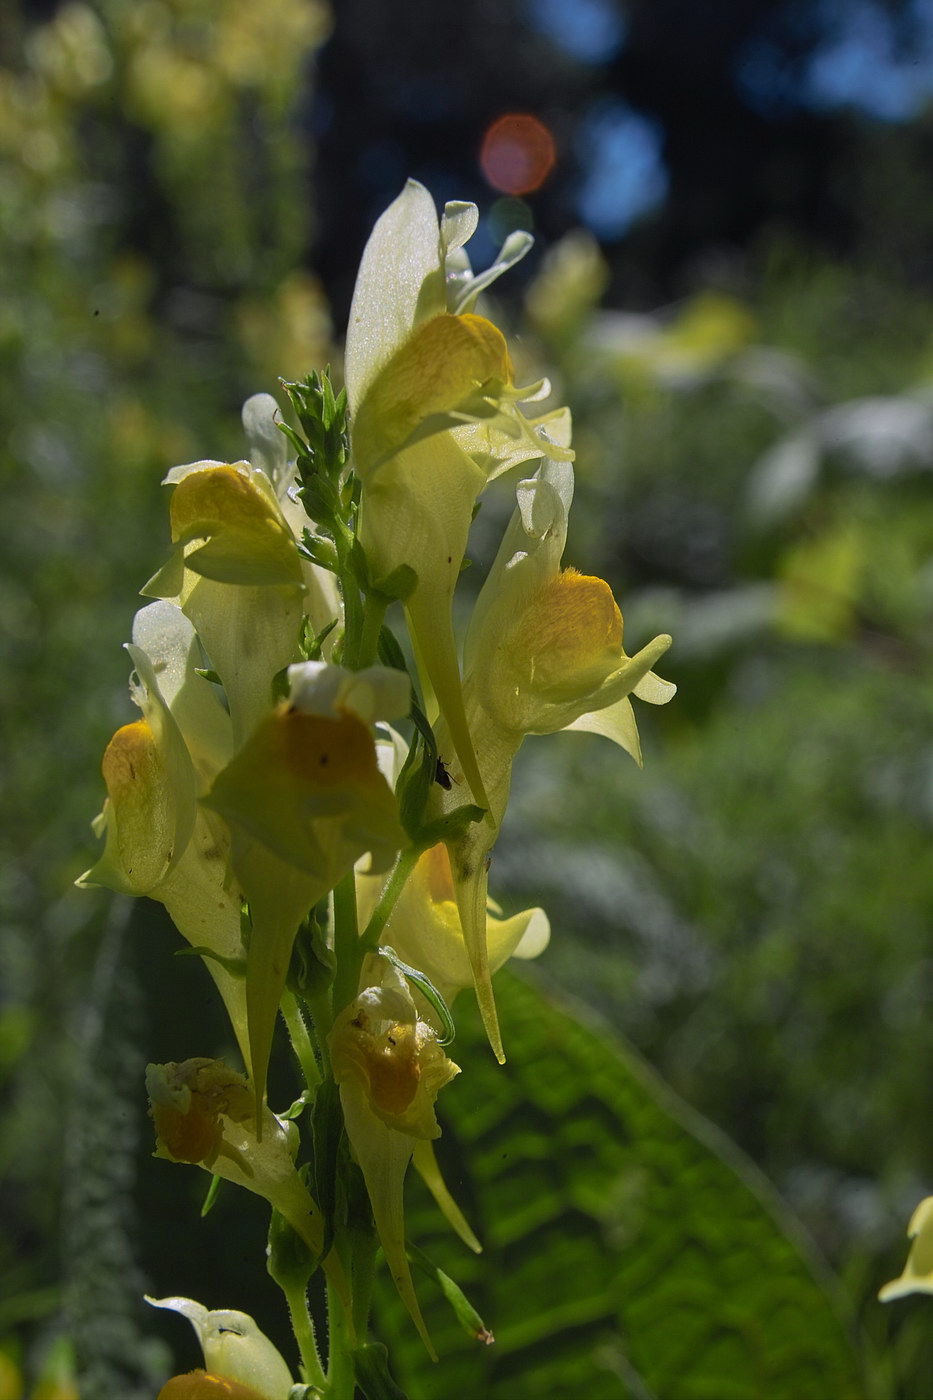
321 864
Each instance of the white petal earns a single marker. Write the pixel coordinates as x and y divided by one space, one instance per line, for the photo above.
512 251
400 282
268 449
655 690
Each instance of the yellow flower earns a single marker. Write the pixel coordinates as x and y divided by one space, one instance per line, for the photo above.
305 800
543 652
435 417
159 840
426 932
918 1271
390 1069
204 1113
236 574
198 1385
242 1364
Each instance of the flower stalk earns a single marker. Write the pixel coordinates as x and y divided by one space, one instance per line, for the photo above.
326 868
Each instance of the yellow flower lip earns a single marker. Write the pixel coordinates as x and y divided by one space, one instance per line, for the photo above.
217 495
324 752
435 863
228 522
570 627
141 807
199 1385
187 1100
437 370
391 1062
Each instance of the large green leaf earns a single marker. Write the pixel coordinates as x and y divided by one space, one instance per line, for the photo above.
630 1251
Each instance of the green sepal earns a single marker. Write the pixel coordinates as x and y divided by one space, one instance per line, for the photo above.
359 567
450 826
388 650
280 685
465 1313
419 773
326 1133
321 499
296 1109
289 1260
210 1199
207 675
312 964
323 418
428 991
311 643
371 1369
399 584
235 966
319 550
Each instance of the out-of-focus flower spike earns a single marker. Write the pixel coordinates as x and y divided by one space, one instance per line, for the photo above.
425 1164
917 1276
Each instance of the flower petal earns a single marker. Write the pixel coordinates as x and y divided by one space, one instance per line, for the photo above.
400 281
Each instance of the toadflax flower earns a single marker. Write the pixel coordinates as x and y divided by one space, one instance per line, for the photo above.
435 417
425 931
204 1113
543 652
390 1069
918 1271
242 1364
234 594
305 799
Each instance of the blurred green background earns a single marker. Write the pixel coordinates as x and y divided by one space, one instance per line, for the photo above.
732 289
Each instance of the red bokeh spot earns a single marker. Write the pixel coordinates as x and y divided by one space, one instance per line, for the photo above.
518 153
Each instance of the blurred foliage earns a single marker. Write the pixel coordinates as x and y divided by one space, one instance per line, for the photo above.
753 910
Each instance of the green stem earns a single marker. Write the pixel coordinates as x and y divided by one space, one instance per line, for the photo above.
347 946
353 623
374 611
301 1040
341 1382
405 864
303 1327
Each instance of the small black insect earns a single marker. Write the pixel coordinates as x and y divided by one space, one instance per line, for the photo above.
442 776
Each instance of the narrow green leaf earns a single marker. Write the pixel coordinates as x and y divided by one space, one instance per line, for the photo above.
371 1368
326 1132
464 1311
